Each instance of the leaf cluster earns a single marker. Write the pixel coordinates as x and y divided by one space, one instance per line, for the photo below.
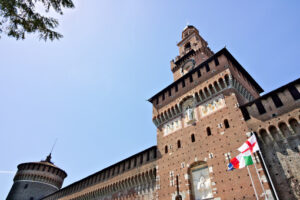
19 17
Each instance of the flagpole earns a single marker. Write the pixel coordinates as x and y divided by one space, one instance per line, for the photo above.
267 171
271 182
252 182
259 179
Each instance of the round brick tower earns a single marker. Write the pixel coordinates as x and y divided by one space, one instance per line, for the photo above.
34 180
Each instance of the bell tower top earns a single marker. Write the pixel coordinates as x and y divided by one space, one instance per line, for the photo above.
193 50
188 30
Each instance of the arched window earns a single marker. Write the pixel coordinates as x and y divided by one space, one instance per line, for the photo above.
208 131
265 137
210 87
206 92
166 149
187 46
193 137
178 144
284 129
226 123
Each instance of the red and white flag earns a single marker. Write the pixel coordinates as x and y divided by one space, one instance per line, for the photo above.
250 145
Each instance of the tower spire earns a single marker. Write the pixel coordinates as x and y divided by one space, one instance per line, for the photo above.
48 158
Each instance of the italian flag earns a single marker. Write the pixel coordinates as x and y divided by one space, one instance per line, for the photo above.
245 157
242 160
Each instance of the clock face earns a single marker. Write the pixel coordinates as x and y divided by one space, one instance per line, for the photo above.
187 66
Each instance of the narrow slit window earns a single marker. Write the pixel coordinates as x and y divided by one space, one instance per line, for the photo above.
294 92
277 101
226 123
193 137
216 61
191 78
207 67
166 149
141 159
178 144
208 131
183 83
260 107
199 73
245 113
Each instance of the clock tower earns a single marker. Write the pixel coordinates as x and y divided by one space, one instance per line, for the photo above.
193 46
200 126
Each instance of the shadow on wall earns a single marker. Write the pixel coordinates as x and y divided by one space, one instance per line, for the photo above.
280 147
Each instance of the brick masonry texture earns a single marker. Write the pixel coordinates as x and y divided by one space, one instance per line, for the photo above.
202 118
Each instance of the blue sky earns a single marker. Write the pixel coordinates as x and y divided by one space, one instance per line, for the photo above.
89 89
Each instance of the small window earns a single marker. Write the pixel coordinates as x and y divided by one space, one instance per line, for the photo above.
245 113
208 131
216 61
178 144
176 88
129 165
193 137
226 123
276 100
260 107
113 171
191 78
207 67
183 83
141 161
294 92
166 149
187 46
199 73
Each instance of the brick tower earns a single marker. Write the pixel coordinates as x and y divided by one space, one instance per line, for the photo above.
200 125
35 180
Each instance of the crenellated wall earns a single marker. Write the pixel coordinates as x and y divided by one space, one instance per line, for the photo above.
134 177
275 118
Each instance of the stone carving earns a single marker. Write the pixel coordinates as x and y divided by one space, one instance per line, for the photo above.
190 114
188 107
201 183
212 106
172 126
